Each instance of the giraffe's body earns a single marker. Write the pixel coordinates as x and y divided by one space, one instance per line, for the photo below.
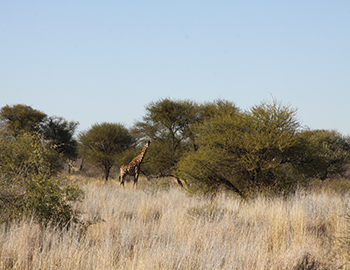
133 168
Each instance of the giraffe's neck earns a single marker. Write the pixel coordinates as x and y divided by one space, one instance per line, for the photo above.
140 157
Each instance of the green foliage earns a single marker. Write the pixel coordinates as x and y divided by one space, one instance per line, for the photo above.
60 133
29 186
27 154
167 120
208 170
171 126
244 151
160 159
20 119
167 124
325 154
48 200
103 145
218 107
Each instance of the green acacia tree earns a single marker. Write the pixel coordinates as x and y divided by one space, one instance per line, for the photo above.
244 151
103 144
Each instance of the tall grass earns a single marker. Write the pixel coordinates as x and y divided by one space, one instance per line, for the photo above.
145 229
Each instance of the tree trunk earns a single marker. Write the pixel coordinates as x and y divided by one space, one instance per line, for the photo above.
107 171
81 165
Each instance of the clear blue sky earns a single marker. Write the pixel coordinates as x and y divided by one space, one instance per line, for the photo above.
104 61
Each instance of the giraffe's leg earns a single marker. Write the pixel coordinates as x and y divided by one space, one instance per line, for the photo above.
121 180
135 180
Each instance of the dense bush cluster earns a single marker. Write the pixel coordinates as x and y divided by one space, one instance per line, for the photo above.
261 150
215 145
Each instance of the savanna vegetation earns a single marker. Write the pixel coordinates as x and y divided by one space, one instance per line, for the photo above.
221 188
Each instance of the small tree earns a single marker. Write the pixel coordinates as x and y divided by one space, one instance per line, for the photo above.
60 133
103 144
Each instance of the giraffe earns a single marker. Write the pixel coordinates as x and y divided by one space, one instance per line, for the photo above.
133 168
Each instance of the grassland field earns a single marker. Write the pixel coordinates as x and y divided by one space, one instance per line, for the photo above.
161 227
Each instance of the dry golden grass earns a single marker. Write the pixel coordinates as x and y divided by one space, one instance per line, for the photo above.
149 229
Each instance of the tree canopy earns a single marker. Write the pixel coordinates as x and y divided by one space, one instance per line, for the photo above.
167 124
171 126
103 144
21 118
60 133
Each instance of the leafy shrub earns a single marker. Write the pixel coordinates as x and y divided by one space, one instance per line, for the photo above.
29 184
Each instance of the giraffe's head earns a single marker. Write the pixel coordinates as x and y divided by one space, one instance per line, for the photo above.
148 143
